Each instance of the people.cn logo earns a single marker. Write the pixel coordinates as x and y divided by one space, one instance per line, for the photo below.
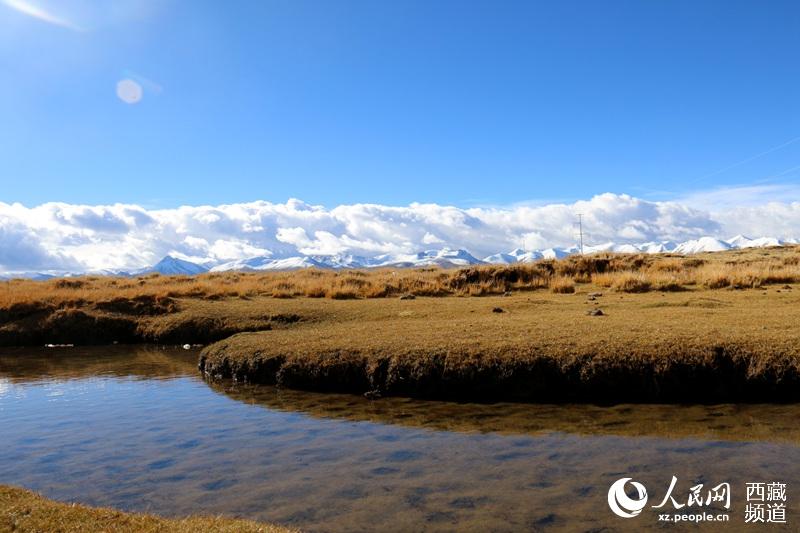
621 504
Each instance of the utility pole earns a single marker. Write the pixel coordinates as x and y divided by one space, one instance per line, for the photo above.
580 230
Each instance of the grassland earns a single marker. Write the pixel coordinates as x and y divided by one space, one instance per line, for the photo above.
154 294
711 327
24 511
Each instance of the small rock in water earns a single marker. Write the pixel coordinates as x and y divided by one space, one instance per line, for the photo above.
187 346
595 312
408 297
372 394
498 310
595 294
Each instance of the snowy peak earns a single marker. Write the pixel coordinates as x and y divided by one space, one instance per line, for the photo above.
658 247
171 266
502 259
252 263
557 253
703 244
455 257
255 264
443 257
740 241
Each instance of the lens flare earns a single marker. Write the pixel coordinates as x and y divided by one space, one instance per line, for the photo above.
129 91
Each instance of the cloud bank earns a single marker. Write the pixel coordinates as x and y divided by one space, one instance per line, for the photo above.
66 237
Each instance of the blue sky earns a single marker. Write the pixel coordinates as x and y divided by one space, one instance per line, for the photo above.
461 103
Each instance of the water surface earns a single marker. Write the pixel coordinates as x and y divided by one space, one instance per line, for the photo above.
137 429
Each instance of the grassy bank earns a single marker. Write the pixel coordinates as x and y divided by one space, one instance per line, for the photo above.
712 327
678 346
27 512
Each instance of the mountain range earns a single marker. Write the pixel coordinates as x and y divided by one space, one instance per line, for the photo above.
445 257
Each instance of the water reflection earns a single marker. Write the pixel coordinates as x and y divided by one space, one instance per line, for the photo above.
738 422
146 362
143 432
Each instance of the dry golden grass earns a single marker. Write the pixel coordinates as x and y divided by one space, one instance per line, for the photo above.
622 272
562 285
746 276
26 512
696 344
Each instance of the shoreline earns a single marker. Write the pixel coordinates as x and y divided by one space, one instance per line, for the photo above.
716 373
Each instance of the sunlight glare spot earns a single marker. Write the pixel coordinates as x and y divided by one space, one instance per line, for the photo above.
129 91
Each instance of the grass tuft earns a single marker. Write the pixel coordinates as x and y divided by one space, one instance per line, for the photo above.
27 512
562 285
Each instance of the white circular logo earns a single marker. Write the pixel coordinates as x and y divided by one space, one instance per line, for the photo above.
621 504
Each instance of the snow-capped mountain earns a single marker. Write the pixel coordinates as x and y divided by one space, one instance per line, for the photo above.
36 276
173 266
658 247
505 258
740 241
459 257
703 244
269 263
445 257
557 253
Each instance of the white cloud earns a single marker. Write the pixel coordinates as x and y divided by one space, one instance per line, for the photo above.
430 238
59 236
731 197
